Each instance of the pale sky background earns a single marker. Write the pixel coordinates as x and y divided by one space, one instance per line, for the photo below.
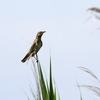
71 41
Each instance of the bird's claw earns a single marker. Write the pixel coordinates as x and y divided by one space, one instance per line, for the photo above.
36 58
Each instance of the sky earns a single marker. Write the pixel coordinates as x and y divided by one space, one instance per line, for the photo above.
69 41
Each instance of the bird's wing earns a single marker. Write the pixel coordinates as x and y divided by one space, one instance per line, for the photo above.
33 46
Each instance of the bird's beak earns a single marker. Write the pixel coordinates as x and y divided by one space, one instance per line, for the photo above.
44 31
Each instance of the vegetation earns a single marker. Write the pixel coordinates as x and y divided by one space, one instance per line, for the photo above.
45 89
95 89
95 15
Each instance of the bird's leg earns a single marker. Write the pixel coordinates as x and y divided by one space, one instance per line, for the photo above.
36 57
35 53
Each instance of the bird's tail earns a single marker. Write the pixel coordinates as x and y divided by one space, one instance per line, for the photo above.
25 58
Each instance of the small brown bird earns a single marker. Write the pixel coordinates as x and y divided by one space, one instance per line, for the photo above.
37 44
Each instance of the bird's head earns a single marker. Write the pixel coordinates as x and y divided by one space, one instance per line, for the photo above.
39 34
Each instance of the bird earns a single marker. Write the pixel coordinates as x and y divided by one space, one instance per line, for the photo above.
36 45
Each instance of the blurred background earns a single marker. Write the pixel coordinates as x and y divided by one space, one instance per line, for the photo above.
69 40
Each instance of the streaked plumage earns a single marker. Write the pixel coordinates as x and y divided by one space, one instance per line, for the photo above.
37 44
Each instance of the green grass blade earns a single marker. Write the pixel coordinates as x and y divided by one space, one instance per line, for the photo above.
44 91
51 94
54 98
79 90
